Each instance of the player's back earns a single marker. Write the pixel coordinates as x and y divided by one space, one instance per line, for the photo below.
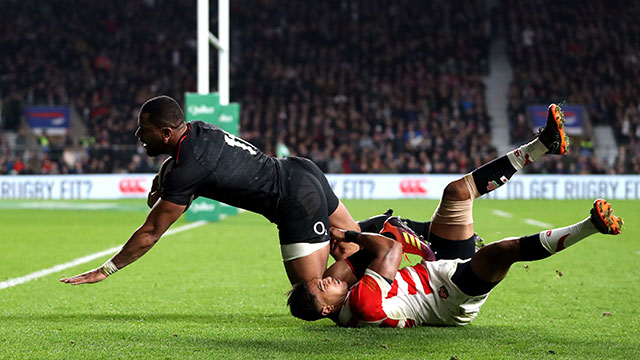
216 164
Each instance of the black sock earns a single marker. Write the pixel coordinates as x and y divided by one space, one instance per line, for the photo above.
360 261
452 249
531 248
374 224
420 227
492 175
469 283
443 248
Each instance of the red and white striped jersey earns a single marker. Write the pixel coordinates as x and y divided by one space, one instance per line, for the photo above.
419 295
374 302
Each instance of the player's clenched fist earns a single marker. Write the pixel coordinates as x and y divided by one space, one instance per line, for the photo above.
337 234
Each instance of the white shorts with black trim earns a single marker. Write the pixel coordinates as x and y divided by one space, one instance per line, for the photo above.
298 250
450 305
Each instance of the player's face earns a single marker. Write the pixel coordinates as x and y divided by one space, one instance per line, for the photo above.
328 291
150 136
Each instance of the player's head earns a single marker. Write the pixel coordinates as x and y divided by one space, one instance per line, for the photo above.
163 111
157 120
317 298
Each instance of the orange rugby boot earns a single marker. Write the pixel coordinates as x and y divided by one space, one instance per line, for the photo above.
604 220
412 243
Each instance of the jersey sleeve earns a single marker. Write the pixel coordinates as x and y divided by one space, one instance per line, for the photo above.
364 304
180 184
359 262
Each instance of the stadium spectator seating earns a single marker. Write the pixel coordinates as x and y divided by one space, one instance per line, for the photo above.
358 86
582 52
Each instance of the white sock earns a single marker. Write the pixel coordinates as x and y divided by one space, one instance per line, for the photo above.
527 153
561 238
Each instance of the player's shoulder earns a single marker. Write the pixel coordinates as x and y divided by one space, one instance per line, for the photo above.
206 134
380 280
365 299
371 284
203 140
198 126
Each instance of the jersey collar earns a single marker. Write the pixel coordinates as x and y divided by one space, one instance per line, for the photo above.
184 136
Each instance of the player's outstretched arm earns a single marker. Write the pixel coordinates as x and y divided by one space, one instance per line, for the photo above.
163 214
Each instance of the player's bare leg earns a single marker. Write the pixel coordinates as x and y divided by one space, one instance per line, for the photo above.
342 219
491 263
315 264
453 219
307 267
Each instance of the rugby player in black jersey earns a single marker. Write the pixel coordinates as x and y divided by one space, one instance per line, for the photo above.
291 192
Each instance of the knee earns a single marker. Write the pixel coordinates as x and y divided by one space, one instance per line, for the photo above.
456 190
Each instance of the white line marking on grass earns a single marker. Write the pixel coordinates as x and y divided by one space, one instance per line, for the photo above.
85 259
42 205
503 214
538 223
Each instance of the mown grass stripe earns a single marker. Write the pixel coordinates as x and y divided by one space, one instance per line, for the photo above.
502 213
85 259
538 223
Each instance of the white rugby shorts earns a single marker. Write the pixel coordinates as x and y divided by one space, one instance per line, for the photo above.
298 250
450 305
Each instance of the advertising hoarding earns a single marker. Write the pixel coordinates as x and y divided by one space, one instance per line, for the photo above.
346 186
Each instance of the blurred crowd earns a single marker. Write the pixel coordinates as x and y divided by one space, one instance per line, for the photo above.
581 52
103 59
367 86
358 86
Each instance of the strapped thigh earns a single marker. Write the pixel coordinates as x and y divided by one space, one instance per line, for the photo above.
457 212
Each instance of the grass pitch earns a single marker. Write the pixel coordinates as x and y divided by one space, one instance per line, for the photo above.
217 291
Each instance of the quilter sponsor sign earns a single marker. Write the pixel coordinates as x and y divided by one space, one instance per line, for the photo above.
207 107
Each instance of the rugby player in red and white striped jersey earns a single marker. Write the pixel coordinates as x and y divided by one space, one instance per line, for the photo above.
450 290
442 292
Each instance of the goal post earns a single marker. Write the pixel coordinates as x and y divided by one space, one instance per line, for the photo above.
221 43
213 108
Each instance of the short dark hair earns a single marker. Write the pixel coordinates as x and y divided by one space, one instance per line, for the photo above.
302 302
163 111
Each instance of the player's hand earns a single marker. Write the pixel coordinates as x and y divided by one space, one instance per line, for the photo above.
155 185
152 198
154 193
337 235
92 276
341 249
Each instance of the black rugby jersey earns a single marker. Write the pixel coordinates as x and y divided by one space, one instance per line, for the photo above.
213 163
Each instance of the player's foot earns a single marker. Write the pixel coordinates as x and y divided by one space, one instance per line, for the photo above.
604 220
552 135
411 242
